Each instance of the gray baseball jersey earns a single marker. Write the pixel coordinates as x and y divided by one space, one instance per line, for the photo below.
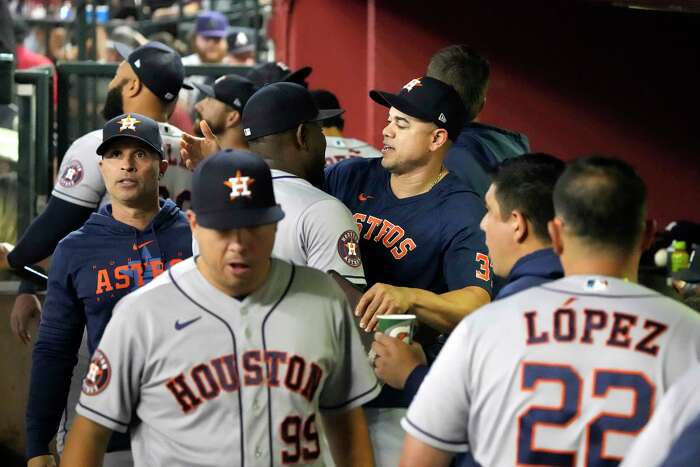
566 373
80 182
677 410
339 148
317 229
205 379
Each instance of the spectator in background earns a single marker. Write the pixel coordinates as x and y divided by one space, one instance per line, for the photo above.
479 148
210 31
241 47
338 147
24 57
222 108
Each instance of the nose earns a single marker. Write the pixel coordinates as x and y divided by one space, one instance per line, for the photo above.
388 131
239 239
129 163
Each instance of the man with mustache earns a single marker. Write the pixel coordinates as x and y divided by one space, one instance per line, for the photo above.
222 109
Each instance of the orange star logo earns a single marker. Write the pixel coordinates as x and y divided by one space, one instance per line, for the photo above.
128 123
240 186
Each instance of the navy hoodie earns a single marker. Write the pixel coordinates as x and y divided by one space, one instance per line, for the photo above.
479 149
534 269
92 268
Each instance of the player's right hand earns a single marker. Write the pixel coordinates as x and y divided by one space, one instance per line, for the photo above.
47 460
194 150
5 249
26 308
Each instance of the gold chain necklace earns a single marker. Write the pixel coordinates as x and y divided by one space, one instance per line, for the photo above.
439 176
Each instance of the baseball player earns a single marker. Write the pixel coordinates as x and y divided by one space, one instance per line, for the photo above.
338 147
677 411
479 148
231 358
568 372
146 82
222 109
281 123
419 232
120 248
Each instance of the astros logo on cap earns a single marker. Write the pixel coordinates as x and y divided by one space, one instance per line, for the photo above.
240 186
128 123
412 84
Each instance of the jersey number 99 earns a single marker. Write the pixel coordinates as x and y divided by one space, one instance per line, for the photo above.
569 410
301 438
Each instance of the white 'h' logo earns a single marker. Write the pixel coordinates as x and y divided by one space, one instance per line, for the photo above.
239 185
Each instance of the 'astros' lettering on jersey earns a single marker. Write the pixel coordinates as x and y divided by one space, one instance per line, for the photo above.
431 241
80 182
214 381
565 373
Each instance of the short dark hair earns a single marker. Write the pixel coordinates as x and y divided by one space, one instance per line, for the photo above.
526 184
324 99
603 201
465 70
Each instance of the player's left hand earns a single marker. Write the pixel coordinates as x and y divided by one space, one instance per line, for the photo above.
5 249
395 359
194 150
381 299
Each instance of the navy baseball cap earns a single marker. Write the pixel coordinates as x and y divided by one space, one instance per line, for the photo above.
278 107
430 100
241 40
134 126
232 90
211 24
232 190
158 66
272 72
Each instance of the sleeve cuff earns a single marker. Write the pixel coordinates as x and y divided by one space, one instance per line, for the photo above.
432 440
101 419
356 401
414 380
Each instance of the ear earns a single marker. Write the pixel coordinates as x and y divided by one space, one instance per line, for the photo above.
132 88
192 219
301 136
439 138
650 227
555 227
162 168
233 119
521 228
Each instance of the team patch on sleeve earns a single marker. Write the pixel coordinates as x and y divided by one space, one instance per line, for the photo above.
349 248
98 375
72 174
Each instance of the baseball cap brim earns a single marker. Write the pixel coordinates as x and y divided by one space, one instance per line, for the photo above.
124 50
298 76
224 220
397 101
242 49
325 114
213 34
205 89
103 146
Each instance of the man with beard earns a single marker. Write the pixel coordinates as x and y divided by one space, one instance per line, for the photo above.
211 47
222 109
282 124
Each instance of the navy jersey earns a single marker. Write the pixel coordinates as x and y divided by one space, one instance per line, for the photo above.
430 241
